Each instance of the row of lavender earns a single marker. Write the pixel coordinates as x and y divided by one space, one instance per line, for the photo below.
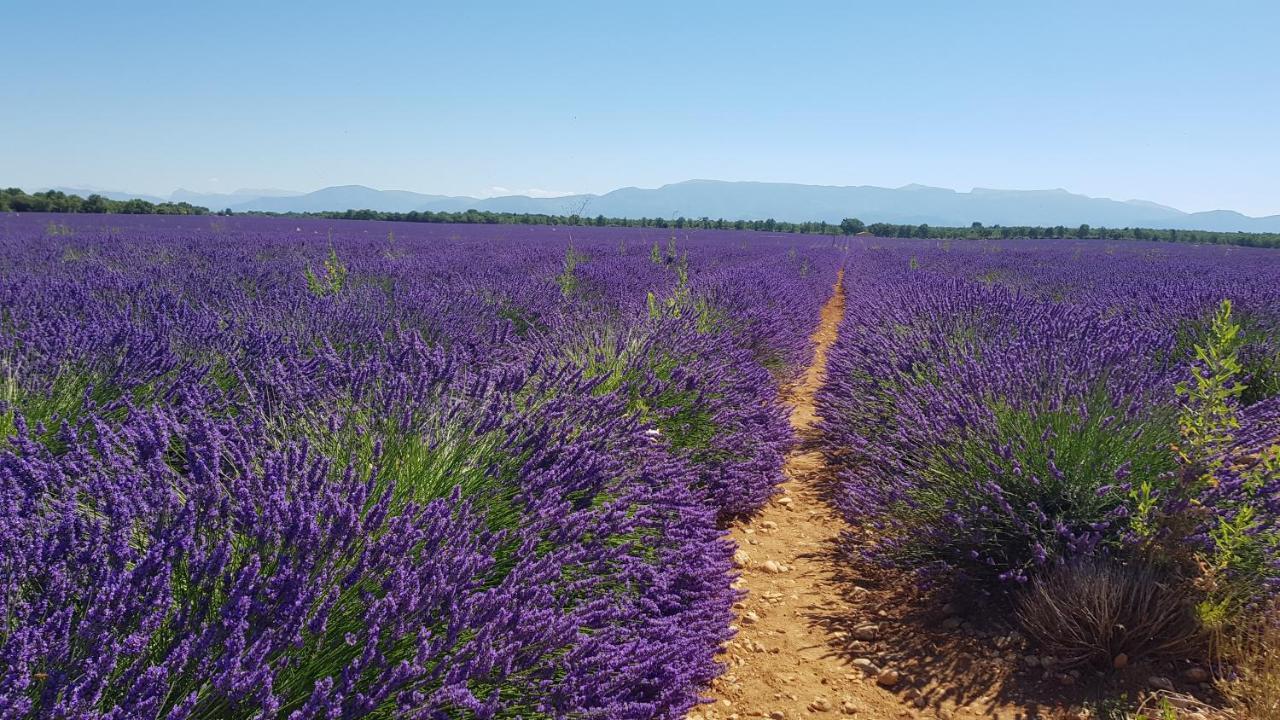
275 468
1001 410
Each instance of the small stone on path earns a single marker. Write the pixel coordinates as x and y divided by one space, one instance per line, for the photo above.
888 678
820 705
868 631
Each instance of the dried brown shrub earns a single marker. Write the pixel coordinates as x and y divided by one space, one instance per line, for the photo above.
1094 610
1252 662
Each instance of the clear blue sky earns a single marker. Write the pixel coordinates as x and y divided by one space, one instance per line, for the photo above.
1176 102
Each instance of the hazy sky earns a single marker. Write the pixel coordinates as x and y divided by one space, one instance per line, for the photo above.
1176 102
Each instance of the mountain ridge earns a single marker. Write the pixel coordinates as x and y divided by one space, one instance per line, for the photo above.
755 200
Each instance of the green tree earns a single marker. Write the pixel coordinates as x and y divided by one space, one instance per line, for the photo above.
852 226
94 204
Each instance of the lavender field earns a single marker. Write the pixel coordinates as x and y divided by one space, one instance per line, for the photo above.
276 468
284 468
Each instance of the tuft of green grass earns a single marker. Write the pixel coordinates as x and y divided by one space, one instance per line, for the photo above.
425 458
682 416
1208 418
1239 563
1253 342
8 403
332 281
568 277
69 398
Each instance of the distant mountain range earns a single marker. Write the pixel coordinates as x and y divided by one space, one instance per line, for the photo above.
911 204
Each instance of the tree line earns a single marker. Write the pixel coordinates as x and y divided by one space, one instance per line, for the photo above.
978 231
848 226
15 200
56 201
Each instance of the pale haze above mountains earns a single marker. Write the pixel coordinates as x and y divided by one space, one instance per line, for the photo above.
911 204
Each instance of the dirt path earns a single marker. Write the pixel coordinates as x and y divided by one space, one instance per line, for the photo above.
785 661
